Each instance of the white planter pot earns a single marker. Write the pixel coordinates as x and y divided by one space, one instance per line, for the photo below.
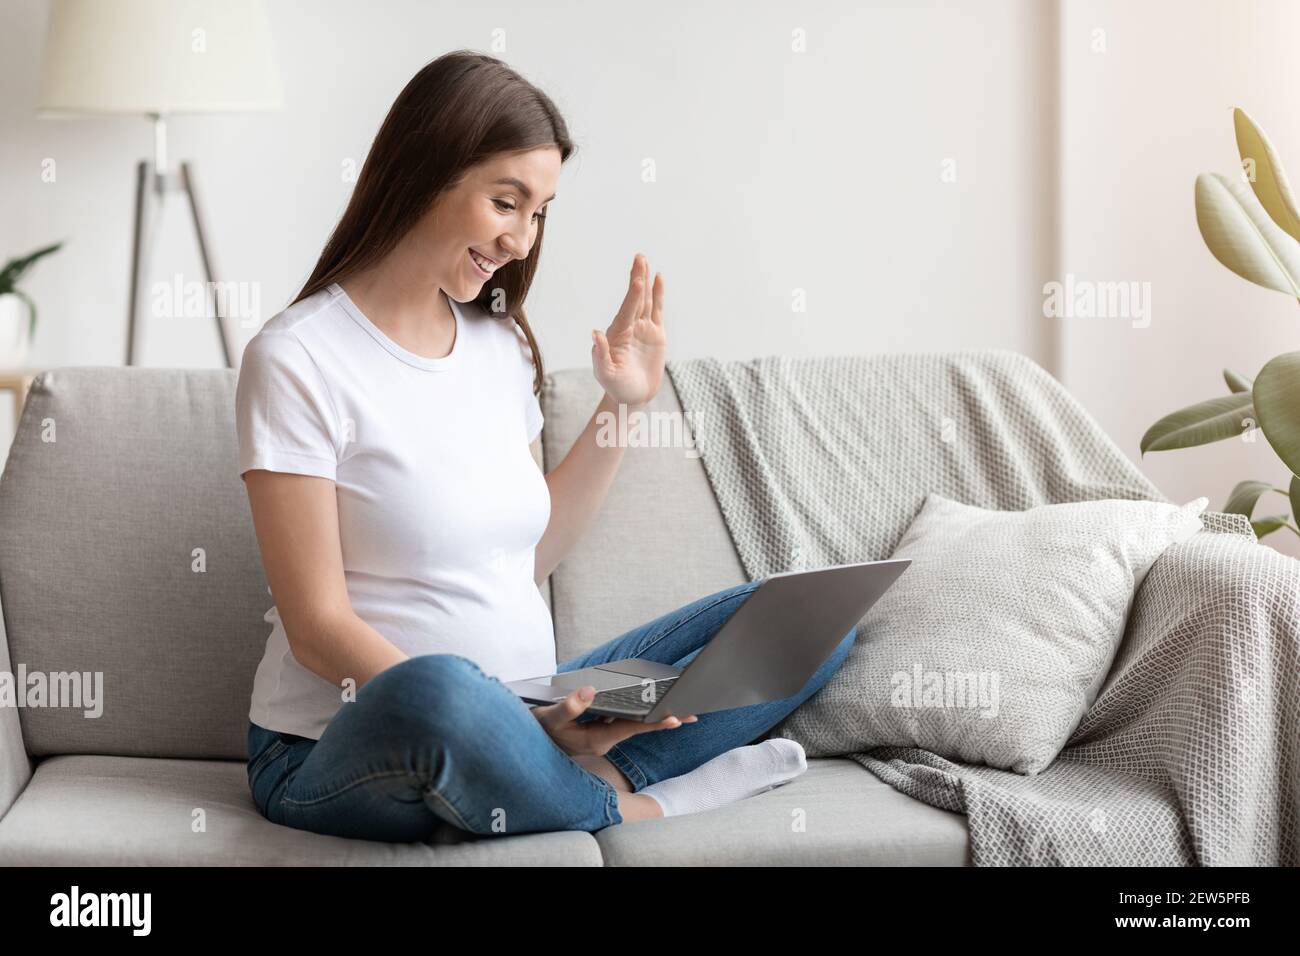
14 340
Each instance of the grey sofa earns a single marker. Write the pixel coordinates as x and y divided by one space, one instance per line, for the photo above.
127 549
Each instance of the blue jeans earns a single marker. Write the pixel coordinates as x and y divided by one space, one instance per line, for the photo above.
435 738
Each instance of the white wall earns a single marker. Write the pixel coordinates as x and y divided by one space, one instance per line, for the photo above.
1139 122
776 170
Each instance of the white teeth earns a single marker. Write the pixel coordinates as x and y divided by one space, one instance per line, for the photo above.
482 263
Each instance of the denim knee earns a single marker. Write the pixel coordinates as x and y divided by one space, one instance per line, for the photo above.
452 721
429 694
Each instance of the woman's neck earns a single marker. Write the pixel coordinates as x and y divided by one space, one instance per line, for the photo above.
406 304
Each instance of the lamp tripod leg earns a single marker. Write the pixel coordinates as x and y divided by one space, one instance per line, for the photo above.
187 183
137 263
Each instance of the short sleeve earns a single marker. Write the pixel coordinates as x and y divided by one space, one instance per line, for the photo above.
283 411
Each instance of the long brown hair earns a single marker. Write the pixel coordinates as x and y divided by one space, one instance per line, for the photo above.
459 110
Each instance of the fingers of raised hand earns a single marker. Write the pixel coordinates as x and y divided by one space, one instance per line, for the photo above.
628 310
647 295
633 299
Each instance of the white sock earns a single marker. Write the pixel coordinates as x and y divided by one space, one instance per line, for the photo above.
734 775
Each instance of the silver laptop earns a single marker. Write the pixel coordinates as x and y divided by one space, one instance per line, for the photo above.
767 650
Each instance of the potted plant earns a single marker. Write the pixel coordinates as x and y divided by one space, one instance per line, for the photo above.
17 310
1251 224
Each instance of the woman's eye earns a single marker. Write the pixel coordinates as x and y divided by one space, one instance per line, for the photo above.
506 207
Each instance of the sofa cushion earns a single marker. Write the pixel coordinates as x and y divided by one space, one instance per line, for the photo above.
133 811
127 550
657 543
992 645
834 814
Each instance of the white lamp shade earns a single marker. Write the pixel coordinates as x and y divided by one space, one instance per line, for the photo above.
158 56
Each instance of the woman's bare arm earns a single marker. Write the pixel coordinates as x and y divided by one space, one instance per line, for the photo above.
628 362
578 487
296 520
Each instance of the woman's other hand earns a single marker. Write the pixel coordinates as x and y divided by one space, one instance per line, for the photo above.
559 720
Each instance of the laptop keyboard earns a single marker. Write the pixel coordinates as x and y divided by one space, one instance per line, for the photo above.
630 698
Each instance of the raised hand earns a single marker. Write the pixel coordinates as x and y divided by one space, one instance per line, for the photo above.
628 357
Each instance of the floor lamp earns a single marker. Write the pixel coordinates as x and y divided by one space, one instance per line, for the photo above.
157 58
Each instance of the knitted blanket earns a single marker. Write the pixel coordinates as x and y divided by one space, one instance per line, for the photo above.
1189 754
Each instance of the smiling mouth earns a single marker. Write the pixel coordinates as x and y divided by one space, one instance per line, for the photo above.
485 266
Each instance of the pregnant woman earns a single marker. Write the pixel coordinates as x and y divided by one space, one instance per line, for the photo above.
385 419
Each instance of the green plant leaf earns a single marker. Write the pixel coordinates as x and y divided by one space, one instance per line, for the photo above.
1244 497
1270 184
1212 420
14 268
1268 525
1295 495
1276 395
1240 234
1236 383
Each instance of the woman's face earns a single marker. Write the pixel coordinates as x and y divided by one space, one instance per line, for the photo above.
494 211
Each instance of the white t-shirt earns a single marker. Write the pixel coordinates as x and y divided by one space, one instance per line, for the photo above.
440 501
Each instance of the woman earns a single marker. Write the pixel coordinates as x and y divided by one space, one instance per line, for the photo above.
384 422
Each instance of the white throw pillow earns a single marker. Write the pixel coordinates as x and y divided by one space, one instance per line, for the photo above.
994 643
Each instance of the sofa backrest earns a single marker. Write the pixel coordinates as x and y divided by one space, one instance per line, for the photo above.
127 551
128 556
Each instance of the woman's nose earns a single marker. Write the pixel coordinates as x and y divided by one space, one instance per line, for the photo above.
515 242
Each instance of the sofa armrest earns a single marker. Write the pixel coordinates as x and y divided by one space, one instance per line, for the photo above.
1230 608
1204 696
15 765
